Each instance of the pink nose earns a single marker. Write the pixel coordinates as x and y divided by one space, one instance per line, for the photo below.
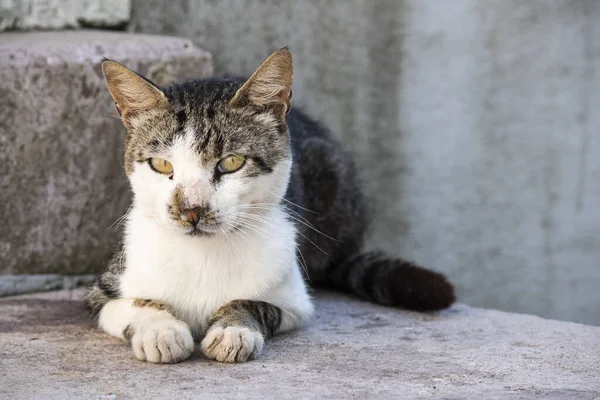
193 215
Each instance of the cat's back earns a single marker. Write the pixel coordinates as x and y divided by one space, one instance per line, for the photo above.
310 140
324 197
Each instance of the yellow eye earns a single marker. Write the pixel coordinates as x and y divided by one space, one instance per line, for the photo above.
161 165
230 164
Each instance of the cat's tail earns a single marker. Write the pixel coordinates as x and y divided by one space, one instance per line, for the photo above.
391 281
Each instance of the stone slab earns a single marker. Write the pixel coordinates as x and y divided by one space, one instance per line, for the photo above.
60 14
62 185
11 285
352 349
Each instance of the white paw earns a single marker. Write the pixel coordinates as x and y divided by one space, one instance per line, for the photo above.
232 344
162 340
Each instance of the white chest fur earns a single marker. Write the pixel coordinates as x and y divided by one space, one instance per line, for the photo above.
197 275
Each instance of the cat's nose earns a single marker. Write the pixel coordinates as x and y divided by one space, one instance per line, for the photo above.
193 215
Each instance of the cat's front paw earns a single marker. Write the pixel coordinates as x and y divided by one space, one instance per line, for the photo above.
163 340
232 343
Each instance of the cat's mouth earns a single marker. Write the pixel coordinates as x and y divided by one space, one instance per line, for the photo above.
200 232
212 229
204 229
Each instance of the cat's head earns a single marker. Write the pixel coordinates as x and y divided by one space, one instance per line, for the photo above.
204 156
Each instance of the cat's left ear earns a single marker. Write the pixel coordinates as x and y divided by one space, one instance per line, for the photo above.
132 93
270 86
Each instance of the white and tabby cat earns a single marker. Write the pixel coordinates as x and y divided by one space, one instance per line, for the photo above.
234 195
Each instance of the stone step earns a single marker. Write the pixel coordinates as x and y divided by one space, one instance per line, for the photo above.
62 182
60 14
15 284
351 349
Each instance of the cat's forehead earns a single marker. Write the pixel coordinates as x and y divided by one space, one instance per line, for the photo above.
202 94
209 132
202 108
200 119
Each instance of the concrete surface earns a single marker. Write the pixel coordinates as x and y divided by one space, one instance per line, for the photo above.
11 285
474 123
48 349
62 184
57 14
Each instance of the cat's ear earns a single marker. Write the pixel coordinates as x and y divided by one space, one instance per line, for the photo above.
270 86
132 93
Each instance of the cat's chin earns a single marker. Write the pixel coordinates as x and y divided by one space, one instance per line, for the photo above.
212 231
201 233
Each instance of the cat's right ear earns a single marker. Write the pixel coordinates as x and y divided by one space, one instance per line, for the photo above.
131 93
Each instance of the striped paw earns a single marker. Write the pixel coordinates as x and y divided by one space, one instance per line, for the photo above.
232 344
163 340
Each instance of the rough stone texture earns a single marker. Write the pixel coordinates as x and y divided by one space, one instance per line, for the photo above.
48 349
11 285
62 180
473 123
57 14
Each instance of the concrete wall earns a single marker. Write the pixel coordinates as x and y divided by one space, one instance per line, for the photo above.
57 14
474 122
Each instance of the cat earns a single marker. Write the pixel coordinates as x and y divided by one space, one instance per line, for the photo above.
237 200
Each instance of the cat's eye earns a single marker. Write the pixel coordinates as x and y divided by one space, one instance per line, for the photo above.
230 164
161 165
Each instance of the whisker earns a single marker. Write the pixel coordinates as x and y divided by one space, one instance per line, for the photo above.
292 203
271 206
307 224
275 206
231 227
242 235
259 230
300 233
303 263
117 224
227 237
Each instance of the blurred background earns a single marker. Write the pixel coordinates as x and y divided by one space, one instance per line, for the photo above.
474 123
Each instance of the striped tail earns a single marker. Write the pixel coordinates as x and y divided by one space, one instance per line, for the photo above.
393 282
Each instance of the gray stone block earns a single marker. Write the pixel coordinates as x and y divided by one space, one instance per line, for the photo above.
11 285
57 14
50 350
62 183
